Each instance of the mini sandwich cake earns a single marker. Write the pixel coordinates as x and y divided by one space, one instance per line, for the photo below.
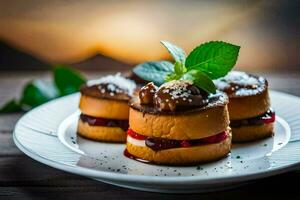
178 124
104 108
251 117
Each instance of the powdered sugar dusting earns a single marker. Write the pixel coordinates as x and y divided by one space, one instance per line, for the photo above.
115 83
236 77
247 92
219 98
177 89
238 83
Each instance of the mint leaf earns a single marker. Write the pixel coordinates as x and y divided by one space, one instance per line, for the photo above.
172 76
214 58
208 61
154 71
179 68
38 92
201 80
11 106
177 53
67 80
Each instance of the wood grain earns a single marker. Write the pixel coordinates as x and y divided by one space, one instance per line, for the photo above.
23 178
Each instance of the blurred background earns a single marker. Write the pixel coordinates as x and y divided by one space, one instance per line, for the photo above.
116 35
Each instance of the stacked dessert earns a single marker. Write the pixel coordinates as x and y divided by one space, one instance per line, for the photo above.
249 109
104 108
178 124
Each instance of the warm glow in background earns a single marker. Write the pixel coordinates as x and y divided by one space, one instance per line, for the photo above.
130 31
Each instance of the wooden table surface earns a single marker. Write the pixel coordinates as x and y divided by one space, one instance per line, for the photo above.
24 178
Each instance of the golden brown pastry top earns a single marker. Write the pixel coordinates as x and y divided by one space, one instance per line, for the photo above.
238 84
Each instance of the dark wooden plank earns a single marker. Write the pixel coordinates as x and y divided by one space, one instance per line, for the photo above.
24 171
7 146
8 121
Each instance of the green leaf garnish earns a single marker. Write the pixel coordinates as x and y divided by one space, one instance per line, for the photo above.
154 71
177 53
179 68
172 76
38 92
215 58
201 80
208 61
67 80
11 106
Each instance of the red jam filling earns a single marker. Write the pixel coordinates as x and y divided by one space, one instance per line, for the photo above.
129 155
157 144
266 118
97 121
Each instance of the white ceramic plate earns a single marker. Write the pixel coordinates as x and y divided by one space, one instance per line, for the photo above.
48 135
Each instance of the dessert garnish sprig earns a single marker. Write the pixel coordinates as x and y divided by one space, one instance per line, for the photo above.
208 61
36 92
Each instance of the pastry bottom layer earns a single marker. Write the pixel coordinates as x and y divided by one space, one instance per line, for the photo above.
182 156
101 133
251 133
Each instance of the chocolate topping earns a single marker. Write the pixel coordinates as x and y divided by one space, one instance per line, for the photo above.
212 100
176 95
104 91
147 92
110 87
173 95
239 84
